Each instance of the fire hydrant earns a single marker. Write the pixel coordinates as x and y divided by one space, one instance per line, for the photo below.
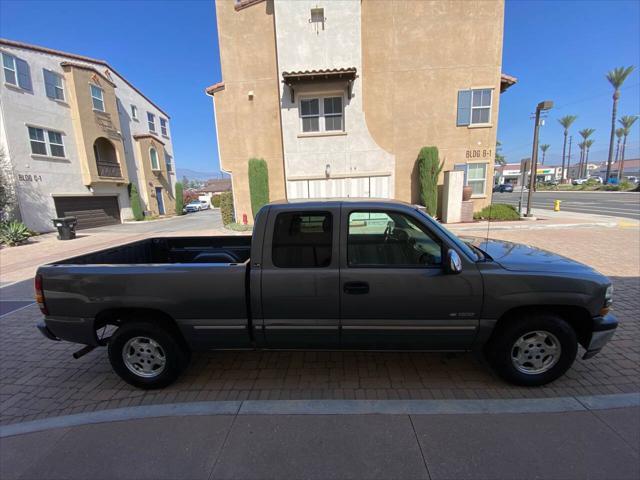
556 205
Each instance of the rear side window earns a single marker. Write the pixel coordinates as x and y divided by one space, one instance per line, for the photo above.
302 240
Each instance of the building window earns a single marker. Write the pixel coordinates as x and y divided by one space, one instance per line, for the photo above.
474 107
302 240
163 127
16 71
46 142
323 114
476 177
151 120
155 163
167 160
53 85
97 98
390 239
134 112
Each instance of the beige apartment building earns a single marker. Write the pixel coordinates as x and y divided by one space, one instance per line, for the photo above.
338 97
75 135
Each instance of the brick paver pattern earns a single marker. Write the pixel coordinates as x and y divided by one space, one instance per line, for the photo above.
39 378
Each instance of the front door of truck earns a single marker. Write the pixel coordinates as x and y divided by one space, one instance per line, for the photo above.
300 278
395 292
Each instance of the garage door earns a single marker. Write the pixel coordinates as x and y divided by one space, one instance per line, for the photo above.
358 187
90 211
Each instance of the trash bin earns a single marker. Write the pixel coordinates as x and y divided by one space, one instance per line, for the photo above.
66 227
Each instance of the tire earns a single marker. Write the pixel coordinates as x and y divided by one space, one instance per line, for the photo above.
535 363
157 357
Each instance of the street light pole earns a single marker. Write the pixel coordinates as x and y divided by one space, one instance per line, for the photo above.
546 105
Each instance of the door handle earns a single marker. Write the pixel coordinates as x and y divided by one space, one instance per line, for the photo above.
356 288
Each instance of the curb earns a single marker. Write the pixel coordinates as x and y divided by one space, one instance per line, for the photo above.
332 407
533 226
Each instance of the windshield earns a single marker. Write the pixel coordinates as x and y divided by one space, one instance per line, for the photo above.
468 251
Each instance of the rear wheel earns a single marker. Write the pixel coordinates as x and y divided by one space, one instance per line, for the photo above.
146 355
533 350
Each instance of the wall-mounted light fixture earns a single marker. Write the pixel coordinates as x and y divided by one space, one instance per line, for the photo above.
250 95
327 170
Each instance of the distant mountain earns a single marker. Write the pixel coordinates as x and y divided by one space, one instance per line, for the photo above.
197 175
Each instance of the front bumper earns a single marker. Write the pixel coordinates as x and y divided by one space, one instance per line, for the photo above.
603 330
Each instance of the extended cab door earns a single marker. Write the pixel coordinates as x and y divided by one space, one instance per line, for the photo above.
300 277
395 292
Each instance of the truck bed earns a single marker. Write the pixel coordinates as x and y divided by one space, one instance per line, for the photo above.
230 249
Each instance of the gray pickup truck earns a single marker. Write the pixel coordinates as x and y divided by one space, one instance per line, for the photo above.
342 274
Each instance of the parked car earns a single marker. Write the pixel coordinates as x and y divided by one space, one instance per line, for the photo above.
193 206
633 179
204 205
350 274
579 181
595 178
504 187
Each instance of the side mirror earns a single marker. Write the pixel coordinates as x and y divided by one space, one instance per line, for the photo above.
454 263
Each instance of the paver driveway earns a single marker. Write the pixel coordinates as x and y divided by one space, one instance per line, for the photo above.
39 378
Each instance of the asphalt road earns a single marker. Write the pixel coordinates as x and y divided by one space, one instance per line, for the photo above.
615 204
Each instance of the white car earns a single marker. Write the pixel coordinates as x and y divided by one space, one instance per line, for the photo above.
579 181
596 178
204 205
193 206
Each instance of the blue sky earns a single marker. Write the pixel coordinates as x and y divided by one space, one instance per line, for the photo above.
559 50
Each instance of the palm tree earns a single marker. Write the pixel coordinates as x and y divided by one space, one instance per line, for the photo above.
581 147
544 147
619 135
585 133
566 122
616 78
587 145
627 122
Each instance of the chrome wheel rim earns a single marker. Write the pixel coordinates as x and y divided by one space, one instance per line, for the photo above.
144 357
536 352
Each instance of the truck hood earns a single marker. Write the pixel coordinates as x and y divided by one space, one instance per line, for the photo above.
525 258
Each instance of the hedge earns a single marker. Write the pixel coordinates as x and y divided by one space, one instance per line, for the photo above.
226 208
258 184
215 201
179 199
136 205
498 211
429 169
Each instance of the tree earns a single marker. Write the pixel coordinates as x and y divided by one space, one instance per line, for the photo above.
581 146
566 123
544 147
627 122
185 182
179 199
429 169
258 184
136 204
587 146
619 135
500 160
585 134
616 78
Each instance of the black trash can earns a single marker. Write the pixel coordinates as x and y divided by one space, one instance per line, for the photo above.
66 227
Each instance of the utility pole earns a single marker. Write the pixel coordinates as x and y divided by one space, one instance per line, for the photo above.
568 158
542 106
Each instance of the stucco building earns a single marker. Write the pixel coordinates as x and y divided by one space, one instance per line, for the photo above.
74 134
339 96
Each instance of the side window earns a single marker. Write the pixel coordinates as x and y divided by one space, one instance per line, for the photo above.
16 72
379 239
302 240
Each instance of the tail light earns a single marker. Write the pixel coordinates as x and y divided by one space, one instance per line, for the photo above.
40 295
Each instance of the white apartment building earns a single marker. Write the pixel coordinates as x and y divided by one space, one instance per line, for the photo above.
75 135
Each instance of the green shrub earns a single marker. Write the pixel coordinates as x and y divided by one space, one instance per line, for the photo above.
626 185
136 204
13 233
179 199
258 184
226 208
239 227
498 211
429 168
215 201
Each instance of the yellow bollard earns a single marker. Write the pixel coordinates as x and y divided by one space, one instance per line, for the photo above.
556 205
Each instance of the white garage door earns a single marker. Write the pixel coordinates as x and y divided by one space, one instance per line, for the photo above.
358 187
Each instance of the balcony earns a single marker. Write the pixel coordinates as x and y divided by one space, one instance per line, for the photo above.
106 159
109 170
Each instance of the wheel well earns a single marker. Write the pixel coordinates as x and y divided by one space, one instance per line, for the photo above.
119 316
578 317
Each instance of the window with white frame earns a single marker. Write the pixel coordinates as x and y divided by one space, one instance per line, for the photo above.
322 114
46 142
151 120
97 98
163 127
134 112
167 160
53 85
474 107
155 163
476 177
16 71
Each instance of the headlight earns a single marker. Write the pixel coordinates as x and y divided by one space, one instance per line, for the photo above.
608 296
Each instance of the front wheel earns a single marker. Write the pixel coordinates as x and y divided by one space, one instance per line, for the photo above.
533 350
146 356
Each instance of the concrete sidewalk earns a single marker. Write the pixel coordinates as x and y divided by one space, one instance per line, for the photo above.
555 438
